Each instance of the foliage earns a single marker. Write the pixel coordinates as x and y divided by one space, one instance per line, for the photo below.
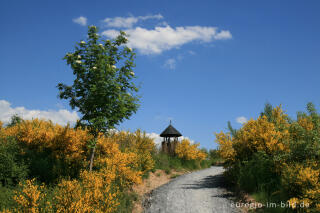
138 143
103 92
29 197
167 163
62 151
188 151
233 131
15 119
276 155
50 149
6 197
12 168
93 193
47 152
215 157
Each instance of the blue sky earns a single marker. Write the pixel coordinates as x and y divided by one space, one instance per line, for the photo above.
200 63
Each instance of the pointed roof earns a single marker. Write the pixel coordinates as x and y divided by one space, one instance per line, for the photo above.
170 131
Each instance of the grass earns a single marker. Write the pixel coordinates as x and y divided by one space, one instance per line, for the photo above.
167 163
126 202
262 197
174 176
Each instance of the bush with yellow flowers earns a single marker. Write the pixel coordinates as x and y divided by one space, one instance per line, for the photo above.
278 156
188 151
94 192
137 142
51 150
46 148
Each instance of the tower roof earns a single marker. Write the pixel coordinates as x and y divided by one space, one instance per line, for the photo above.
170 131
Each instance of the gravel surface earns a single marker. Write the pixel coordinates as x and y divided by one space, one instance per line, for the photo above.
202 191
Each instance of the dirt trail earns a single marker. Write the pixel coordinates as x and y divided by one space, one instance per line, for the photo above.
198 192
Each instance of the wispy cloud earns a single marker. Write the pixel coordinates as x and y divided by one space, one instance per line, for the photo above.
128 22
191 52
223 35
80 20
241 120
170 64
62 116
159 39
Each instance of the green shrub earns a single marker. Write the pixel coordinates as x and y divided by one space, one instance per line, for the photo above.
6 194
166 163
161 161
175 163
205 164
191 164
126 202
257 174
12 168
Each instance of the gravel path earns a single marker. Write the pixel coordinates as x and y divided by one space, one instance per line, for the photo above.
202 191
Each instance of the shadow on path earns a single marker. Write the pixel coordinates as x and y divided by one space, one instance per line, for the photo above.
212 181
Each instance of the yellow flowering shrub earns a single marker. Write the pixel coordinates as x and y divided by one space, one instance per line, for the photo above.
306 123
69 197
226 151
279 118
279 153
302 182
261 135
96 191
38 134
111 160
91 194
6 211
255 135
188 151
138 143
100 194
8 131
29 198
115 169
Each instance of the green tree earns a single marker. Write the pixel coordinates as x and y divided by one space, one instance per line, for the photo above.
103 90
15 119
267 111
233 131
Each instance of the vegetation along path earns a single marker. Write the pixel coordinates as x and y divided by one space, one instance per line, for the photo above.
202 191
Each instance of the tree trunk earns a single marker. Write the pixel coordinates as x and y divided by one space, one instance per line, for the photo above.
92 157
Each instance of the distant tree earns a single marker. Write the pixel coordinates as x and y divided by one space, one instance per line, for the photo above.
233 131
15 119
267 111
103 90
214 154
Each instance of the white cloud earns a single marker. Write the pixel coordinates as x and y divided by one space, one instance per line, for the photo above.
62 116
128 22
80 20
241 120
156 138
161 38
170 63
223 35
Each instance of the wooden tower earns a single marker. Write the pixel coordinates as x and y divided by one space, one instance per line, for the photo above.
168 146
